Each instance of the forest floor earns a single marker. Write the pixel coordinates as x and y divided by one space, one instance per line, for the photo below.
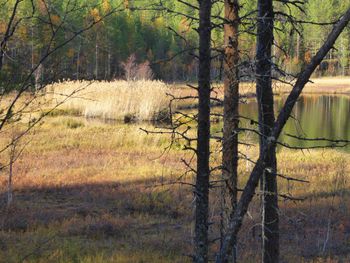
91 191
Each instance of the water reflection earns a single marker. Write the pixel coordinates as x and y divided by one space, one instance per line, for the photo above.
314 116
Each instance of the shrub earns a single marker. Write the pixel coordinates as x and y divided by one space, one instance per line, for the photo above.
134 71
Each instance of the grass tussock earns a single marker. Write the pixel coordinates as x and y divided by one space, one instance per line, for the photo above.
118 100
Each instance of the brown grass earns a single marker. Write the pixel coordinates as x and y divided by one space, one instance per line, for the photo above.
86 193
142 100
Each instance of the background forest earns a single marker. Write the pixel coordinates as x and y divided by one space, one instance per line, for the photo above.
159 37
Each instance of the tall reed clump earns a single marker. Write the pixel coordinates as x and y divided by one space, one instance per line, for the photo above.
142 100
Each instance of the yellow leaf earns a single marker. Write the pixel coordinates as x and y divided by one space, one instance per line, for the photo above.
95 14
106 6
55 19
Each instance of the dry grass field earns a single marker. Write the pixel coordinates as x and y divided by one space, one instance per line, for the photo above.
139 100
149 100
91 191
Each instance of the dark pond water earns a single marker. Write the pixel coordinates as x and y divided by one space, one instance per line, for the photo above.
315 116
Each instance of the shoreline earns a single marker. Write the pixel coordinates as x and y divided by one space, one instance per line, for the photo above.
327 85
318 86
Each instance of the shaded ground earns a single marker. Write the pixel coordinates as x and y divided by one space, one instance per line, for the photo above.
95 220
109 221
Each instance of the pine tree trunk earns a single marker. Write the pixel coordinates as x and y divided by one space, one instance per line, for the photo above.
231 100
203 135
270 219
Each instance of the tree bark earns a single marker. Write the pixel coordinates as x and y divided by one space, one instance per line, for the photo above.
270 224
249 190
203 134
231 100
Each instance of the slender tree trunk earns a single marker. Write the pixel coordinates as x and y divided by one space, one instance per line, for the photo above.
270 231
231 100
78 61
2 53
343 54
301 48
9 183
109 64
203 135
38 75
253 181
32 44
96 57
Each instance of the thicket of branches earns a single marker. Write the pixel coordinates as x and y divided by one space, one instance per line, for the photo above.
264 25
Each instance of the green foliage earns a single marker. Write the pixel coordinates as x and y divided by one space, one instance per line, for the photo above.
99 52
73 124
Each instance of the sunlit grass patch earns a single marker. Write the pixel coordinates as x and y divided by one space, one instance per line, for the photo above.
118 100
328 172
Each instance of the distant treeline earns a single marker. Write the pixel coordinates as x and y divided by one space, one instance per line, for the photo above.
157 36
